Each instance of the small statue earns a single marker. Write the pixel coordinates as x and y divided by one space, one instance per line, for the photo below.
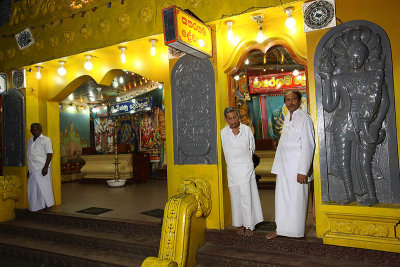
355 93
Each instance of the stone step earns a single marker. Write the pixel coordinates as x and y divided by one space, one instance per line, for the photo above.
216 255
241 247
91 222
55 253
84 238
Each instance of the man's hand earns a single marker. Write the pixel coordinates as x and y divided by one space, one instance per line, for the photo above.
301 179
45 170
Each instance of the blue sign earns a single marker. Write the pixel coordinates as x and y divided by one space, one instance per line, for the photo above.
132 106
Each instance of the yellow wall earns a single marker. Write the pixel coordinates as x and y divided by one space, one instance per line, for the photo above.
384 14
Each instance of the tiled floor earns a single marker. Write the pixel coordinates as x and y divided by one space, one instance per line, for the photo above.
128 202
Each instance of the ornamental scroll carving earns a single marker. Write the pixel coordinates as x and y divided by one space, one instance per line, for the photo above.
193 199
362 229
193 111
356 119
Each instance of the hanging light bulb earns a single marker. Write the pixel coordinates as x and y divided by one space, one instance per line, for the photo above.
123 58
38 74
258 18
61 70
260 35
88 65
290 21
229 23
153 47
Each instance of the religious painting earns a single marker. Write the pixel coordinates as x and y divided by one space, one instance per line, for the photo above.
127 132
275 114
150 138
104 135
74 135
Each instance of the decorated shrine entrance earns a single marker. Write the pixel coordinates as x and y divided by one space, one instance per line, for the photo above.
264 74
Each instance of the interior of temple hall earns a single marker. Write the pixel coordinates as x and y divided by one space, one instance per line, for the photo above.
130 99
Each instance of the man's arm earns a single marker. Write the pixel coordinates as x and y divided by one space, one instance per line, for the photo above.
46 165
307 150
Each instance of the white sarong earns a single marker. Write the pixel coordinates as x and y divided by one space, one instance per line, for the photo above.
40 191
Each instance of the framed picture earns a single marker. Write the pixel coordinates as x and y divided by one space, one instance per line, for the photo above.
3 84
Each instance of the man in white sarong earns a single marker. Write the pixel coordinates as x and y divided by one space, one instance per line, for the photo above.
292 163
238 145
39 153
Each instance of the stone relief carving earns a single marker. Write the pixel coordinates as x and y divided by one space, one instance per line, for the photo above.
10 52
193 101
353 67
124 20
86 31
104 26
146 14
14 129
362 229
53 41
69 35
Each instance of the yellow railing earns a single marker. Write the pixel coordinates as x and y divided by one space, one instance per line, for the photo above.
184 216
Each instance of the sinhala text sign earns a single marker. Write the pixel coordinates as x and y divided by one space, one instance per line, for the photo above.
277 82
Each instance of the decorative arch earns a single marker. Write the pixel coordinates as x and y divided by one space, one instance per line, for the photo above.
264 47
71 87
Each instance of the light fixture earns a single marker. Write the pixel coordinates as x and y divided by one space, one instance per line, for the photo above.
61 70
88 65
118 99
71 97
123 58
259 19
153 47
295 72
38 74
237 77
160 86
121 79
247 61
229 23
290 21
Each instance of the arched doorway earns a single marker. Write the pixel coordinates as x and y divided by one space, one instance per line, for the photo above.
125 111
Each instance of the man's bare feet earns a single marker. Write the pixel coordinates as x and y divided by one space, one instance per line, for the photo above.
248 232
240 230
271 235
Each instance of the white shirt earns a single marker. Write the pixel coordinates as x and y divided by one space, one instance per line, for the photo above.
296 146
238 151
37 152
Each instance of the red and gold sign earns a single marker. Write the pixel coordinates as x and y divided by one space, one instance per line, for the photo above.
186 33
277 82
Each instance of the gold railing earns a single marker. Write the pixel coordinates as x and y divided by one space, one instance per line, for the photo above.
184 216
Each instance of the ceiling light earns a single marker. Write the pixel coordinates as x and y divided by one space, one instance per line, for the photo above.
121 79
115 84
295 72
38 74
258 18
290 21
123 58
247 61
71 97
237 77
160 86
229 23
61 70
88 65
118 99
153 47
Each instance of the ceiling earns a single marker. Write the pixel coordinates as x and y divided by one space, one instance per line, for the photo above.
126 86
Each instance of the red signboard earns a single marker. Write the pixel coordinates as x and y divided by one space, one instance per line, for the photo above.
277 82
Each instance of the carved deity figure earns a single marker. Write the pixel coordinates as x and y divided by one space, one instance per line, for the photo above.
354 92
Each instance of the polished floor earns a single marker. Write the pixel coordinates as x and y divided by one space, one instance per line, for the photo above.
130 201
